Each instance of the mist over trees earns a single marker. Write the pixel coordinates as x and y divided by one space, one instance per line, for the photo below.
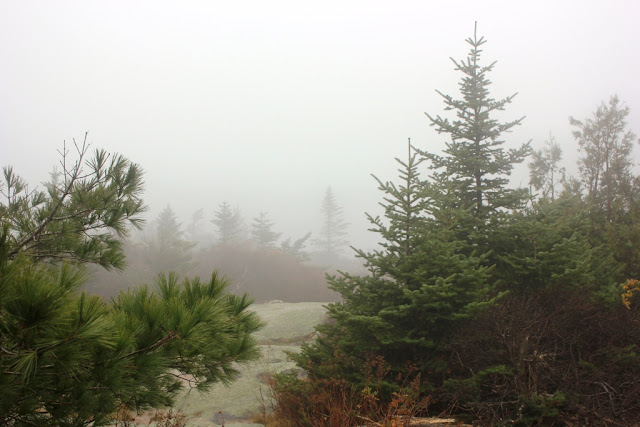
167 246
71 358
229 223
261 232
605 147
493 304
331 240
497 304
545 172
257 259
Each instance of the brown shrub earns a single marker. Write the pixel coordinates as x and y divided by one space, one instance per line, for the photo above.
266 274
333 401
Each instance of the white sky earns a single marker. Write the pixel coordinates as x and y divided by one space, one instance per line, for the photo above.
266 103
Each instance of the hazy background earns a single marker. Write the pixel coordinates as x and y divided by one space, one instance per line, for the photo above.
264 104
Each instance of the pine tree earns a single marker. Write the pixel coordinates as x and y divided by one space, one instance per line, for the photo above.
475 156
69 358
81 217
332 236
261 231
547 246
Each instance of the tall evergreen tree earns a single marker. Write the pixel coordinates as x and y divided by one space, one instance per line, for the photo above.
334 228
420 284
475 156
261 231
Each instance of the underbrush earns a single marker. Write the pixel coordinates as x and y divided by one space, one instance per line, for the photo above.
547 359
334 401
551 358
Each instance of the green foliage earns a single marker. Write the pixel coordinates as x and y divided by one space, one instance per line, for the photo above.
507 304
542 408
475 158
80 217
420 284
612 198
69 358
547 246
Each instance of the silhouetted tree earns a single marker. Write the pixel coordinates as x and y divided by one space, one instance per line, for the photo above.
167 250
544 170
262 233
228 223
333 232
605 147
296 249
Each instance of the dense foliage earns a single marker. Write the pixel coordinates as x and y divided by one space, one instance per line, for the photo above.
504 305
70 358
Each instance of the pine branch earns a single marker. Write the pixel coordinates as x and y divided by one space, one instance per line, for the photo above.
74 176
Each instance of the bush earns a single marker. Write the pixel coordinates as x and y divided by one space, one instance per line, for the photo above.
321 400
547 358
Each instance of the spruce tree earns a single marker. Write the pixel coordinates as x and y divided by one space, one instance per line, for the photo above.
261 231
334 227
475 156
420 283
168 250
228 222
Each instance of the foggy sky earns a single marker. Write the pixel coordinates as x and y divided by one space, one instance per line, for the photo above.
266 104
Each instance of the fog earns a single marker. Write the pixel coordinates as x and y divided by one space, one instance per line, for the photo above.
266 104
